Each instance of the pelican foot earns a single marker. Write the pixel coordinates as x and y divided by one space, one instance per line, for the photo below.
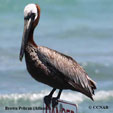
54 102
47 100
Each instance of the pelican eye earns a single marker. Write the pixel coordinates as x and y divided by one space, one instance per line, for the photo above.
30 15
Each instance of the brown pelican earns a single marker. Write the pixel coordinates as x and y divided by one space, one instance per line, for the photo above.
49 66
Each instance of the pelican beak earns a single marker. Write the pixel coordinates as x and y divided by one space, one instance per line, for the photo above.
27 27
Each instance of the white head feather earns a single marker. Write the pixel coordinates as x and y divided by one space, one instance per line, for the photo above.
30 8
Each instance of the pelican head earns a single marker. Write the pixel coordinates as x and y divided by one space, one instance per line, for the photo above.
30 17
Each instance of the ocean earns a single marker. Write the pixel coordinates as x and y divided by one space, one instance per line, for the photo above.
82 29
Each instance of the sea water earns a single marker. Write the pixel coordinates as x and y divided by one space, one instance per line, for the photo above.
82 29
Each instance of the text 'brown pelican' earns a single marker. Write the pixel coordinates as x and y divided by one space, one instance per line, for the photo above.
49 66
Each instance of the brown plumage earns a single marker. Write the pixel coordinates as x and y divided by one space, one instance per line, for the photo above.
51 67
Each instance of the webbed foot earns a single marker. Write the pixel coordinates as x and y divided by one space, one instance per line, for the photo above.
54 102
47 100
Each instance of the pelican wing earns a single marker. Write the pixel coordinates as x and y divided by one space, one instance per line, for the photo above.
73 73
